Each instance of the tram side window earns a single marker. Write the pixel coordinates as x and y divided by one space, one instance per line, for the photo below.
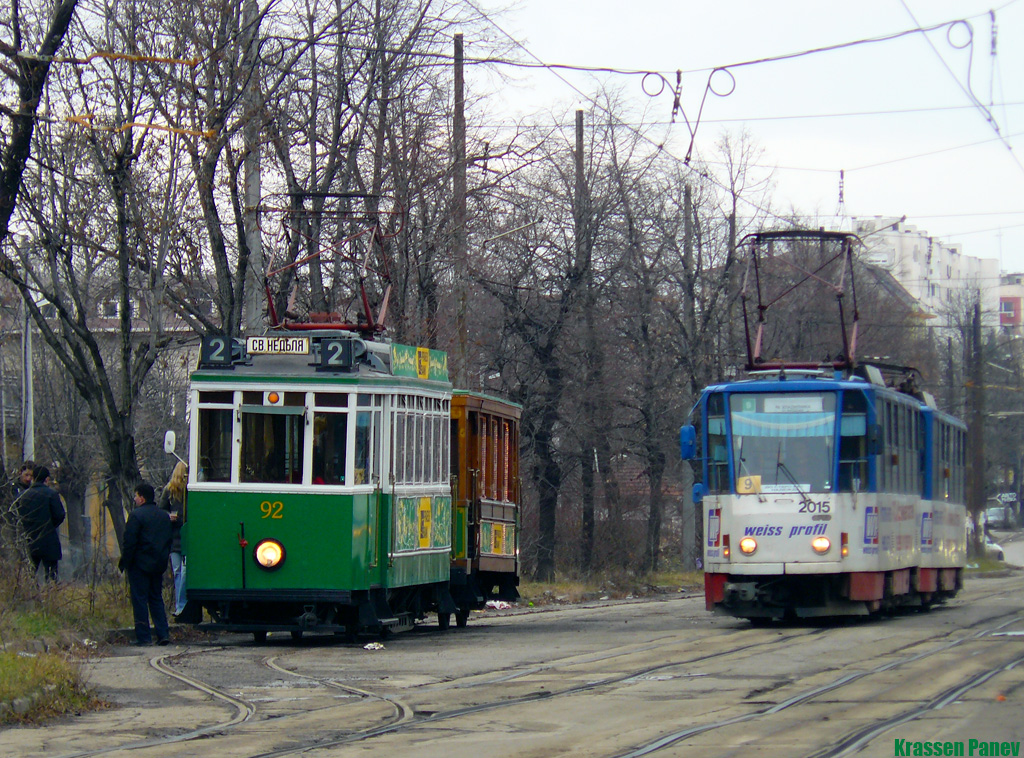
418 447
439 447
944 468
272 446
921 453
367 453
884 468
853 446
432 435
421 440
956 468
215 444
330 441
718 452
901 448
512 459
503 452
399 447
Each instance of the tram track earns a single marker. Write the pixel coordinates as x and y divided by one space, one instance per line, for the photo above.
859 739
403 711
862 737
454 713
406 717
667 740
244 711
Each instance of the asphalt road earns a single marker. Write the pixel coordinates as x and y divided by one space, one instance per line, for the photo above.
655 677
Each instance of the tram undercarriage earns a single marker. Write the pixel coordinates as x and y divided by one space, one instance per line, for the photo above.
816 595
375 611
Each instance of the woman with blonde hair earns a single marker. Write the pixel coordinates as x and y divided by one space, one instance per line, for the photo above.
172 500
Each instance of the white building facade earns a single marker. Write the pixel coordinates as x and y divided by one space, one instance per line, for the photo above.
938 274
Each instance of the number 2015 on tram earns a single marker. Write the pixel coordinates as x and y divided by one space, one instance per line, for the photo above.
824 495
320 493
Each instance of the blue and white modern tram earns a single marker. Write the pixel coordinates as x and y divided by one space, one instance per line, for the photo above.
825 495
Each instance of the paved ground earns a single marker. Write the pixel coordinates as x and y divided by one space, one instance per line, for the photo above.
651 677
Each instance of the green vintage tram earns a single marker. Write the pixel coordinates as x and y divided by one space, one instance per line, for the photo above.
319 494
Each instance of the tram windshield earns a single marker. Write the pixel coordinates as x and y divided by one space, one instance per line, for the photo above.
783 442
272 447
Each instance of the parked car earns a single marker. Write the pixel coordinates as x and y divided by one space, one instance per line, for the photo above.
993 550
1000 517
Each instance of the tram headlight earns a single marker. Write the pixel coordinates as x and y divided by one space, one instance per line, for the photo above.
821 545
748 545
268 554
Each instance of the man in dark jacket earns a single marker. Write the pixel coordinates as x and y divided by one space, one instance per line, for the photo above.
144 554
40 512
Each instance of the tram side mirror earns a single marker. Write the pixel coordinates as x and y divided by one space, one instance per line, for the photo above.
169 443
874 439
688 442
699 491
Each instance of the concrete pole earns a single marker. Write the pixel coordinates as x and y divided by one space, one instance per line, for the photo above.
459 241
975 429
28 399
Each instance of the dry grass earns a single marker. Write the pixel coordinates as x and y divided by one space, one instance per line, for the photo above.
984 566
51 681
611 585
45 630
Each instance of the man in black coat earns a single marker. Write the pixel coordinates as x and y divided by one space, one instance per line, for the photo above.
40 512
144 554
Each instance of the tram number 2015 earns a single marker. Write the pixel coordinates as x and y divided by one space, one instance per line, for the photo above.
272 510
809 506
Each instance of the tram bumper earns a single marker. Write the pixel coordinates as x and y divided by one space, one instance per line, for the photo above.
740 592
778 596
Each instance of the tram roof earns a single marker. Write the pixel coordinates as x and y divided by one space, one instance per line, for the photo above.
820 383
793 383
375 363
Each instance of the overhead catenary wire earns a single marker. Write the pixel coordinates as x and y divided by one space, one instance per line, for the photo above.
615 122
753 203
968 91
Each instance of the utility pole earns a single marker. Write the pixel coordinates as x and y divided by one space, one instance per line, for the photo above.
975 429
589 463
28 400
252 311
459 244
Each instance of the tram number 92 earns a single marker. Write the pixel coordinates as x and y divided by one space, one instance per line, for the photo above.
809 506
272 510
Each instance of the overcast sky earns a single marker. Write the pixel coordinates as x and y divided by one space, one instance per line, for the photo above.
910 120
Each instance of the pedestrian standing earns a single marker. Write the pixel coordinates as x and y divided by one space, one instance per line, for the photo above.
24 480
40 512
13 491
144 553
172 500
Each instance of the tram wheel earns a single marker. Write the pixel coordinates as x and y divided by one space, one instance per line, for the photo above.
461 619
259 637
444 620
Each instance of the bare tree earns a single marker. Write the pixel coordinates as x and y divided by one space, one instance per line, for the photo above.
101 208
28 52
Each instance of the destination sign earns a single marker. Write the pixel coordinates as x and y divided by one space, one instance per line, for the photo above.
277 345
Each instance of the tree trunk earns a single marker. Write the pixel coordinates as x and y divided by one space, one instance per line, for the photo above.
587 535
